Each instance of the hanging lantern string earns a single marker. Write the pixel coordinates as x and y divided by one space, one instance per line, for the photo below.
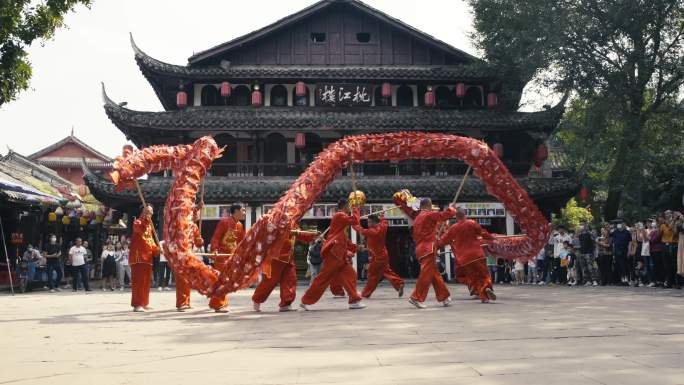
142 199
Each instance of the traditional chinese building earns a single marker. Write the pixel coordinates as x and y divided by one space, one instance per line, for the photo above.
65 157
277 96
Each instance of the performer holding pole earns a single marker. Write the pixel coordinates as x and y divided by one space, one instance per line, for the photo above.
379 267
465 238
282 270
425 223
335 252
183 287
228 234
143 249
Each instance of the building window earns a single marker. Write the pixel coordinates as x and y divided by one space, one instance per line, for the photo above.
278 96
404 96
318 37
210 96
300 101
363 37
379 100
442 97
473 98
241 96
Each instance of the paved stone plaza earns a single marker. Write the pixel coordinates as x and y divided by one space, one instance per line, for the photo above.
532 335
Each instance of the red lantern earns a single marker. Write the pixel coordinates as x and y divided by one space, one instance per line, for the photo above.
225 89
492 100
460 90
498 149
541 155
429 98
181 99
584 193
256 97
300 140
386 90
300 89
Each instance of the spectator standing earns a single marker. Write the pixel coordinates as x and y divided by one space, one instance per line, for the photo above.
632 255
362 262
532 271
620 239
667 234
123 268
605 256
31 257
68 271
657 248
89 260
108 259
519 269
585 260
491 265
572 264
558 240
163 270
314 258
77 257
53 263
644 239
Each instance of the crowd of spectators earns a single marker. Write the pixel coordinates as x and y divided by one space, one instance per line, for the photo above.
646 253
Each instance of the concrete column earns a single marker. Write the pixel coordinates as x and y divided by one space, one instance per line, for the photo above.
447 262
248 217
354 238
510 225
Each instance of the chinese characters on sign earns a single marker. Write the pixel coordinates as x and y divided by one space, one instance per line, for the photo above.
350 95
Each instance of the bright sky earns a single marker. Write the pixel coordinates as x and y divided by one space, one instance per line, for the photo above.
67 71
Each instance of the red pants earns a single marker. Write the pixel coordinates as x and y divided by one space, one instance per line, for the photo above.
376 271
333 268
141 278
220 301
476 276
282 273
336 287
182 292
429 275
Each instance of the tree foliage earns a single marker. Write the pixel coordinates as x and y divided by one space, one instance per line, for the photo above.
572 215
21 23
624 57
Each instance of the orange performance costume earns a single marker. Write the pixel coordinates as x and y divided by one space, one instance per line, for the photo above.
379 264
228 234
183 287
465 238
335 252
283 270
142 251
425 223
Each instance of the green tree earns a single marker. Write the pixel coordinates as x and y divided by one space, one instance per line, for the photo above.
21 23
589 136
629 54
572 215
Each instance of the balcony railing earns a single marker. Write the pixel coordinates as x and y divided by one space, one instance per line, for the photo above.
384 168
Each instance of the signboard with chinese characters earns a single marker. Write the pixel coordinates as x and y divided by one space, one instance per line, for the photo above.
482 209
348 95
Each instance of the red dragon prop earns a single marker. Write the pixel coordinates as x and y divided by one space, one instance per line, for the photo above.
189 164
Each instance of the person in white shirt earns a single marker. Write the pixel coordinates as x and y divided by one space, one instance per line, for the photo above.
122 266
77 257
164 270
559 237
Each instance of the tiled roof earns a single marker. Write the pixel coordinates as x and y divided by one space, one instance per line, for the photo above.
70 139
270 189
381 119
317 7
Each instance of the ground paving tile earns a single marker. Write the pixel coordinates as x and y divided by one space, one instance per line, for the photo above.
531 335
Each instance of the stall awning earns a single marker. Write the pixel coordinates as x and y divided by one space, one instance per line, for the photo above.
15 191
